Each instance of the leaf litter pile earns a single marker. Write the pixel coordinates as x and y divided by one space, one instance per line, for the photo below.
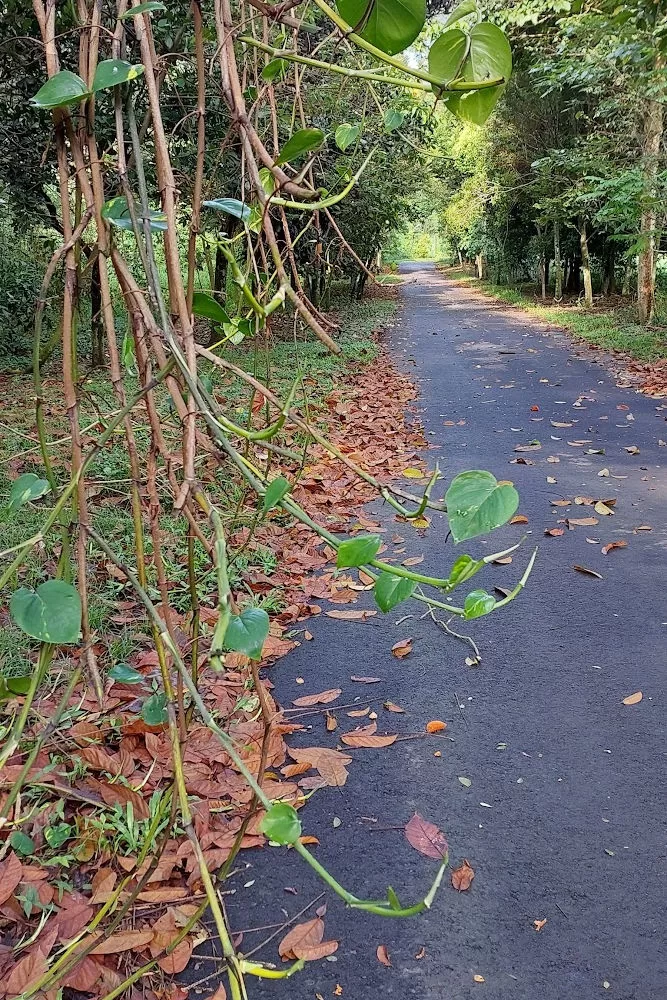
94 821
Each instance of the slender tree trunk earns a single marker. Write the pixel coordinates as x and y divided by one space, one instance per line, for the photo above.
586 265
481 266
627 279
96 322
558 264
646 261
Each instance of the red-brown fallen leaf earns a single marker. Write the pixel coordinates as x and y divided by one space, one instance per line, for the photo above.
11 872
123 941
165 894
292 770
582 522
369 742
402 648
26 972
413 561
176 960
587 571
350 616
610 546
462 876
220 993
383 955
72 918
331 723
329 763
534 409
305 941
554 532
84 975
421 953
308 839
519 519
357 713
117 794
633 699
390 706
323 698
539 924
435 726
426 838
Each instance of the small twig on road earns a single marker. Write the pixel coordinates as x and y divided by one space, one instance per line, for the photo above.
460 708
450 631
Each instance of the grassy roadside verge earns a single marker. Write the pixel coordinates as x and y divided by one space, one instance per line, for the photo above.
320 372
611 325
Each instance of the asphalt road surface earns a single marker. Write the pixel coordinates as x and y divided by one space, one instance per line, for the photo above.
564 817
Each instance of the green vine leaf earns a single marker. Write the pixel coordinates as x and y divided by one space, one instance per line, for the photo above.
303 141
390 25
60 90
52 613
281 824
446 55
112 72
463 9
205 305
247 632
143 8
357 551
154 710
478 603
274 69
464 567
390 590
232 206
116 211
478 503
26 488
125 674
275 491
22 843
393 119
489 58
346 135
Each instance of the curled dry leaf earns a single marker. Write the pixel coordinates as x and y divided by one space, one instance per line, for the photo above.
633 699
383 955
603 509
610 546
305 941
426 838
462 876
519 519
357 713
323 698
478 979
588 572
331 723
554 532
539 924
402 648
391 707
435 726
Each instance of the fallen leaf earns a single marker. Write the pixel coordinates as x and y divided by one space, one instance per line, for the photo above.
420 522
366 738
383 955
466 782
604 473
305 941
421 954
632 449
323 698
560 423
25 973
402 648
539 924
588 572
552 480
554 532
610 546
643 527
603 509
633 699
356 713
11 873
130 940
411 473
435 726
308 839
390 706
462 876
351 616
426 838
533 446
331 723
366 680
583 522
478 979
553 459
413 561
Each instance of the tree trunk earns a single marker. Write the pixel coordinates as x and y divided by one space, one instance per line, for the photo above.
481 266
558 264
586 265
627 280
646 261
609 279
96 323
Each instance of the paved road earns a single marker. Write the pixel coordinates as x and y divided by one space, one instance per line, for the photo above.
575 833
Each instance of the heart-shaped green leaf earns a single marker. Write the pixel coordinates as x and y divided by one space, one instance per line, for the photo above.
231 206
274 69
116 211
26 488
346 135
447 54
112 72
303 141
489 58
125 674
60 90
357 551
478 603
143 8
281 824
464 567
390 25
247 632
22 843
52 613
154 710
393 119
463 9
204 304
478 503
390 590
275 491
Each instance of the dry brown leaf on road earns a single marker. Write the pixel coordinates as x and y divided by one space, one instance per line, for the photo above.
519 519
390 706
426 837
610 546
123 941
366 680
554 532
435 726
462 876
365 738
305 941
383 955
323 698
633 699
402 648
588 572
582 522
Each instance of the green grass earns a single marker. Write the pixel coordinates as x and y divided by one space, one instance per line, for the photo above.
611 327
319 371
